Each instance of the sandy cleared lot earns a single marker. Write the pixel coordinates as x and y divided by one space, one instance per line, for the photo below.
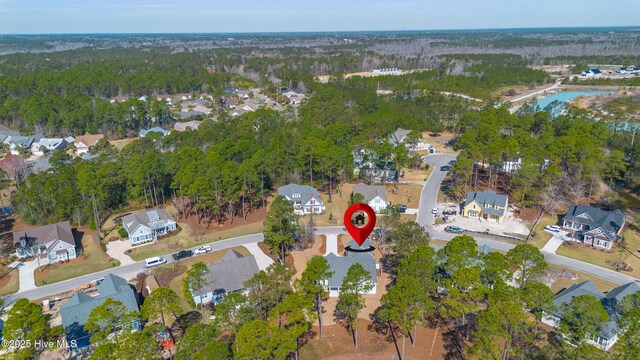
510 225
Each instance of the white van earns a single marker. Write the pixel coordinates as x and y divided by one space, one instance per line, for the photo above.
154 261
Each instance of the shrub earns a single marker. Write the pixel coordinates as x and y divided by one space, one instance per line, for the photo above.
123 233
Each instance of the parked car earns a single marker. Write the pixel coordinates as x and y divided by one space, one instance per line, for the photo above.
182 254
445 168
203 250
434 210
454 229
402 208
552 228
154 261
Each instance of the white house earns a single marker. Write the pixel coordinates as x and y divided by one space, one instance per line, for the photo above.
608 334
306 199
591 73
340 265
401 136
146 225
374 195
54 241
45 145
85 142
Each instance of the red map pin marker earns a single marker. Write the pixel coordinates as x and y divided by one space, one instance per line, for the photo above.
360 234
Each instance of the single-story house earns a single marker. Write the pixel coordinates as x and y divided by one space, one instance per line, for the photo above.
340 265
595 227
608 334
486 205
43 145
85 142
147 225
160 130
55 241
183 126
374 195
227 276
75 312
306 199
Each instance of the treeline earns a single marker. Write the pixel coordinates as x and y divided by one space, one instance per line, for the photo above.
226 168
557 158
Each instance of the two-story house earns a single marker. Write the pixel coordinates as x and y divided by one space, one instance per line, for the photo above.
485 205
55 242
374 195
306 199
606 335
401 136
147 225
594 226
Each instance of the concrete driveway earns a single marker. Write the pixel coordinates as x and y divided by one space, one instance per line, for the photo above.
25 272
261 258
117 249
552 245
332 244
429 195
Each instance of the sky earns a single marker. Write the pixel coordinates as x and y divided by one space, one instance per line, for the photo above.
184 16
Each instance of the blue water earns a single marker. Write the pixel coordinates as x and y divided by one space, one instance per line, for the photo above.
565 96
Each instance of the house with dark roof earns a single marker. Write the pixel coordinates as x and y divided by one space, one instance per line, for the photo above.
226 276
607 335
367 163
340 265
593 226
25 142
75 312
374 195
401 136
43 145
485 205
305 199
156 129
54 242
146 225
591 73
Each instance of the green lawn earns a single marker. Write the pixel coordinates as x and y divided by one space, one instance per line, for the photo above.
91 261
10 282
600 258
539 237
185 239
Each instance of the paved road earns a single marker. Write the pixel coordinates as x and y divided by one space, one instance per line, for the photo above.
126 271
552 87
429 195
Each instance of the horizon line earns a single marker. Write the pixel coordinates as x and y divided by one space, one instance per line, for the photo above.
626 27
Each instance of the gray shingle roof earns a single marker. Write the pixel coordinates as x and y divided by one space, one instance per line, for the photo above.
306 193
340 264
76 310
487 200
610 302
42 235
230 273
371 191
609 221
154 219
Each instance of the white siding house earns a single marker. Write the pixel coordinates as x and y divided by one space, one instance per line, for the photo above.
147 225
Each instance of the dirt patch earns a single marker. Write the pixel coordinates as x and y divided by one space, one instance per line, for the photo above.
300 258
7 226
322 239
9 280
374 342
440 141
206 227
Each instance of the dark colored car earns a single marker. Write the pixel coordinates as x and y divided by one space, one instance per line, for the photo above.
445 168
182 254
402 208
454 229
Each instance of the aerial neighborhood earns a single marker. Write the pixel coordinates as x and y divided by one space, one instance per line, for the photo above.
183 196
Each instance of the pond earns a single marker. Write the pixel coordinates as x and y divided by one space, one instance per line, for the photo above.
563 97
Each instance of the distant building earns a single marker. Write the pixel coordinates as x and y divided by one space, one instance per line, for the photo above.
75 312
608 334
591 73
46 145
156 129
227 276
485 205
183 126
374 195
306 199
147 225
340 265
54 241
400 136
594 227
85 142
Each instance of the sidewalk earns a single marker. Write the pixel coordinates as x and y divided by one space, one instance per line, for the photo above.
261 258
116 249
